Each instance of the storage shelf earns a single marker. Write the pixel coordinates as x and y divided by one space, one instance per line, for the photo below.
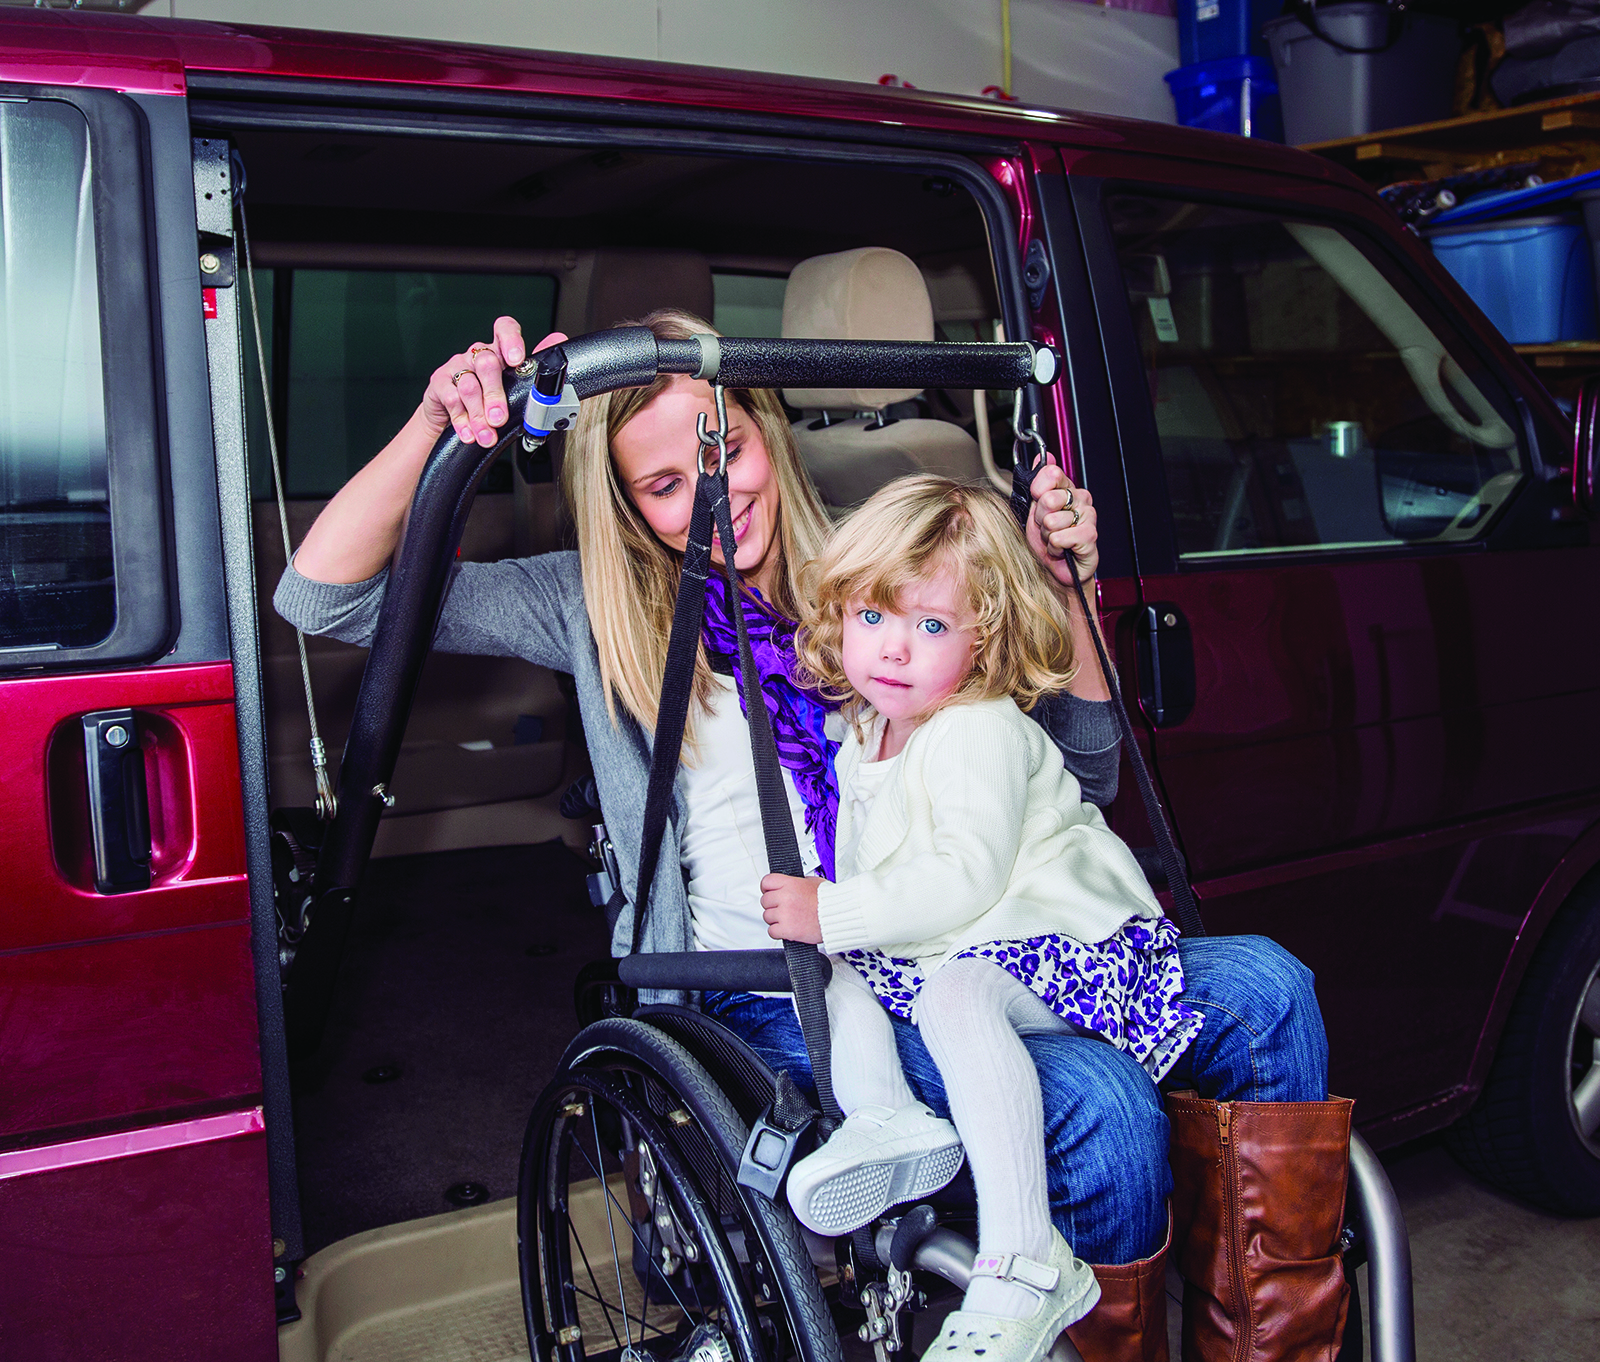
1563 355
1563 135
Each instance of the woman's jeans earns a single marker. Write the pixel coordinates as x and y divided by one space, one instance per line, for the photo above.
1104 1128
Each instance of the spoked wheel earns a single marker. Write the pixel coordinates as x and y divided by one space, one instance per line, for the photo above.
637 1245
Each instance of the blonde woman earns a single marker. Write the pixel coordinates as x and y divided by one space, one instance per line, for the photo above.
975 894
603 613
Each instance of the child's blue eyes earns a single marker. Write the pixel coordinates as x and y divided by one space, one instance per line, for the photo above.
932 627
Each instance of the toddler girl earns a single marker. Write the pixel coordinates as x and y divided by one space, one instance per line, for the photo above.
977 895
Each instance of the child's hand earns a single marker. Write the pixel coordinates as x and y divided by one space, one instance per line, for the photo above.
789 904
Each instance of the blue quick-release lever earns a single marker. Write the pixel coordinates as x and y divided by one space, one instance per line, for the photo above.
552 403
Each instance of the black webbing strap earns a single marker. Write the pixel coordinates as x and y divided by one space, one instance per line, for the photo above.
777 828
1184 906
677 688
777 824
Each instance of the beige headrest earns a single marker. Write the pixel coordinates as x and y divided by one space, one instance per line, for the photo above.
627 284
868 294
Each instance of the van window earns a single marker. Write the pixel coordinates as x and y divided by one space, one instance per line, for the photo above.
361 345
748 304
1302 396
57 587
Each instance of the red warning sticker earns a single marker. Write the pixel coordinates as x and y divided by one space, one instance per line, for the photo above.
208 298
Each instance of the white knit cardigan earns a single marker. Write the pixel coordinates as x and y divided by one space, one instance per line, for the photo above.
980 835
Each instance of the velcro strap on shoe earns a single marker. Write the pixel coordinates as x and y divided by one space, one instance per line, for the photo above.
1013 1267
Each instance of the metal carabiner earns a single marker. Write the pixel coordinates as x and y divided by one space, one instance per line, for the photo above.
1023 436
713 439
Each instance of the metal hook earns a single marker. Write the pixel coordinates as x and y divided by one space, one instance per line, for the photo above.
1025 435
713 439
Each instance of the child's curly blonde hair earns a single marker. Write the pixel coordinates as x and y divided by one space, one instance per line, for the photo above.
911 529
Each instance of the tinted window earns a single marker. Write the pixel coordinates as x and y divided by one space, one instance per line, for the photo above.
361 346
1304 395
56 580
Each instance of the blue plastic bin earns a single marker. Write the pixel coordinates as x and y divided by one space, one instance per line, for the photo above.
1533 277
1208 29
1231 94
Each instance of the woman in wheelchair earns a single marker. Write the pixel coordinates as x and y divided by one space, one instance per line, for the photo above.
603 615
974 894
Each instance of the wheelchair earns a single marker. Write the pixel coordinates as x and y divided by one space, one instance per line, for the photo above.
637 1242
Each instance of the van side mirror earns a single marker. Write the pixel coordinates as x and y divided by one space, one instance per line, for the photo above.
1586 446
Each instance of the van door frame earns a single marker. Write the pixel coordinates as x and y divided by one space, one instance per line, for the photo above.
220 104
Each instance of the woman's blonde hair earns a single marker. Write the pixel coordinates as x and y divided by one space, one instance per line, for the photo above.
630 578
917 527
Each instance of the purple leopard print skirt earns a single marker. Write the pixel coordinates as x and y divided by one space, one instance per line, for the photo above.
1126 990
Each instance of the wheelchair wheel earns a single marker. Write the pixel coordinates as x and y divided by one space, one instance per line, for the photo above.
636 1243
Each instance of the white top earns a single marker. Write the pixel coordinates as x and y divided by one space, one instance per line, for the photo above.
979 835
865 782
722 847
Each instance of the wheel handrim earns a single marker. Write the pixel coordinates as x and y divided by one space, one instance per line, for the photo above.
1583 1065
706 1311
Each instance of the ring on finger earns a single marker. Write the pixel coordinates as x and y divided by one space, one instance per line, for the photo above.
455 378
1077 516
1067 505
479 348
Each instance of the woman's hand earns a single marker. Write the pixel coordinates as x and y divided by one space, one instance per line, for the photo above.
1061 526
356 533
789 904
465 391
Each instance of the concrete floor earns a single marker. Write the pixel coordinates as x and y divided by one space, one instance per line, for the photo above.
1495 1281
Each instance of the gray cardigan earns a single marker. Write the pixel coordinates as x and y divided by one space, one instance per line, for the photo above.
533 608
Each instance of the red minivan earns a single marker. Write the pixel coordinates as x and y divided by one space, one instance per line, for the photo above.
1346 547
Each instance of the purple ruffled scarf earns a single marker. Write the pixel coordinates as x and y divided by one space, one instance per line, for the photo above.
798 715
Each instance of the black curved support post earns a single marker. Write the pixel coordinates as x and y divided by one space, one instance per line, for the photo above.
604 361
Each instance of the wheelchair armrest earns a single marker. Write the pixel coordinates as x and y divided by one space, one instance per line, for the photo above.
732 971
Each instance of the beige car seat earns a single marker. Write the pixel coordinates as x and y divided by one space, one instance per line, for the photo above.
849 447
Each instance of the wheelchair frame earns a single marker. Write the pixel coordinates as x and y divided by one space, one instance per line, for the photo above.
716 1078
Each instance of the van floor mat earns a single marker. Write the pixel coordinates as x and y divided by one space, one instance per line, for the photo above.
453 1007
441 1289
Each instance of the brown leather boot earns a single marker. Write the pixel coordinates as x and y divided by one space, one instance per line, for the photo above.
1258 1204
1129 1323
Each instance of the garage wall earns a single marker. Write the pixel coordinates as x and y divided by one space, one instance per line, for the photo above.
1065 54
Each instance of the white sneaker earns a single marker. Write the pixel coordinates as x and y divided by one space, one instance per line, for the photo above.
876 1159
1065 1290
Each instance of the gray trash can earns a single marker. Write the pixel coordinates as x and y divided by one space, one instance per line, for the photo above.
1403 72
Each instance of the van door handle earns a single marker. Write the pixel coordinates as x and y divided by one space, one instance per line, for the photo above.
1165 653
119 801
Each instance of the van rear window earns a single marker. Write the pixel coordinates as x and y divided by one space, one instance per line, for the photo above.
353 352
56 581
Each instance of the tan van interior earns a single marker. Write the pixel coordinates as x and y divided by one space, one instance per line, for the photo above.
376 258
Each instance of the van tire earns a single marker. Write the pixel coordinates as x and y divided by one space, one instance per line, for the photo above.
1522 1135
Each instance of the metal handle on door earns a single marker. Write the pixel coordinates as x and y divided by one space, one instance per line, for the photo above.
119 804
1165 653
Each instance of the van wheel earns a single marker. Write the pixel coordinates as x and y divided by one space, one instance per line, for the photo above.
1535 1130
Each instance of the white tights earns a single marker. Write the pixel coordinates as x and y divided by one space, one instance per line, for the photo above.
972 1016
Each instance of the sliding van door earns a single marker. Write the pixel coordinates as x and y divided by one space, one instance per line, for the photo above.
134 1215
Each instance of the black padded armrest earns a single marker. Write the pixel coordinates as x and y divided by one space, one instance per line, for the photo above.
732 971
